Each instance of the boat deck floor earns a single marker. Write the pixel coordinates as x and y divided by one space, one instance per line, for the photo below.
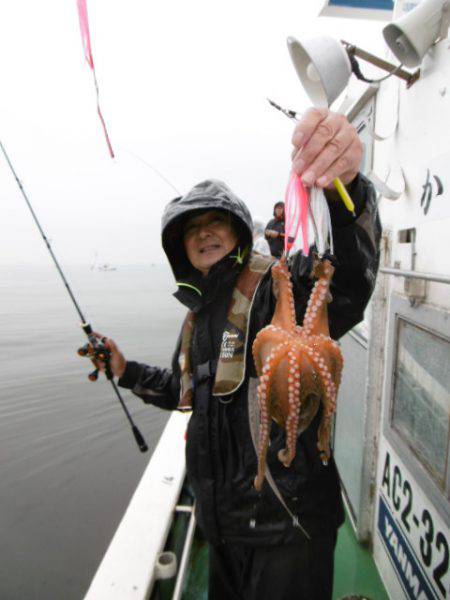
355 571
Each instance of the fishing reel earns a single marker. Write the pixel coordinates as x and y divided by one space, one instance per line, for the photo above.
96 350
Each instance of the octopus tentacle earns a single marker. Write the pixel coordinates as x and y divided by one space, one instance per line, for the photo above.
336 361
263 393
316 305
287 454
329 407
263 434
284 315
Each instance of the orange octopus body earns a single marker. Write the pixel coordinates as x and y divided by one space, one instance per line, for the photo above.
298 367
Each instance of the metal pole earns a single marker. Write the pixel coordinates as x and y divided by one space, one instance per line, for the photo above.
410 78
416 275
184 561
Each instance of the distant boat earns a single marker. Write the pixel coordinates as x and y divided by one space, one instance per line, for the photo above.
106 267
102 267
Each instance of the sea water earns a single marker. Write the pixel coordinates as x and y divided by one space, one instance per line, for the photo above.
68 462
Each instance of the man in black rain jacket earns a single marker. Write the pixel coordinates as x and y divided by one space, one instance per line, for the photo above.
274 232
258 551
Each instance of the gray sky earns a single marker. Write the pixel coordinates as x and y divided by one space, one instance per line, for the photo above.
183 86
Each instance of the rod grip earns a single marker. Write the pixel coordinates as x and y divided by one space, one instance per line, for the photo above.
139 439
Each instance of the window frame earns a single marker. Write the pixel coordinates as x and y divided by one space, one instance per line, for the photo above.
437 322
362 115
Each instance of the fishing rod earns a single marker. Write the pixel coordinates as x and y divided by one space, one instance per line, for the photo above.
95 349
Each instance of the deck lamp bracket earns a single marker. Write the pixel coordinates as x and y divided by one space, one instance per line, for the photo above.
324 66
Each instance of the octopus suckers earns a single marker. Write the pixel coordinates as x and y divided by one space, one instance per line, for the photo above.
294 362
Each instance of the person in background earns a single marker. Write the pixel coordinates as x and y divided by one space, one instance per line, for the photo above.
260 244
275 230
257 551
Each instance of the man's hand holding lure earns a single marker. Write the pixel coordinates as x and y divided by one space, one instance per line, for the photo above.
336 149
98 348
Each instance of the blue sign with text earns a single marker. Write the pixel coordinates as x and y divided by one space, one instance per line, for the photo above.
372 4
404 561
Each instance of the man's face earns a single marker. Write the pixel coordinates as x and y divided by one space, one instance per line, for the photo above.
207 238
279 212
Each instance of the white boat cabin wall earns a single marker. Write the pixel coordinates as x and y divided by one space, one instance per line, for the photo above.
392 435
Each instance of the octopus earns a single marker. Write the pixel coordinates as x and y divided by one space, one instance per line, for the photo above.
298 367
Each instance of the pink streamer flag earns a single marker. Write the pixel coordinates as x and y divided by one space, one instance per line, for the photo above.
296 207
86 40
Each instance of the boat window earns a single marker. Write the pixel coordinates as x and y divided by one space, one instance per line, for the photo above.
420 410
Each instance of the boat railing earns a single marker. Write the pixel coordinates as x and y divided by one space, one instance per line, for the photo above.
127 569
416 275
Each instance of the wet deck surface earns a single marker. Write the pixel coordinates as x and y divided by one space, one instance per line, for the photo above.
354 569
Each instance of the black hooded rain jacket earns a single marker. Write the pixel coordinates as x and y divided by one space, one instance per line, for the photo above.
221 460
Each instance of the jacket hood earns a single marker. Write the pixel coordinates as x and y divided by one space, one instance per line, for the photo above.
211 194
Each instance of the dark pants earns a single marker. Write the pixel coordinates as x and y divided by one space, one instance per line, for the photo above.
300 572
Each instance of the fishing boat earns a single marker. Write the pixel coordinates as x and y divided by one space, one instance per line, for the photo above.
103 266
392 429
106 267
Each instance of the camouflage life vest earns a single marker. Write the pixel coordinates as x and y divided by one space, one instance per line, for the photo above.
231 364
